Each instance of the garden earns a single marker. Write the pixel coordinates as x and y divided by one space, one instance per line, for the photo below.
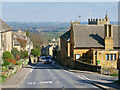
12 62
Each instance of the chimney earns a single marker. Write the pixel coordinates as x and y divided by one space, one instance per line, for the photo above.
108 36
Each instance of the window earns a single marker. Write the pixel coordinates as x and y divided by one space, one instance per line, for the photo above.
77 56
111 57
107 56
114 56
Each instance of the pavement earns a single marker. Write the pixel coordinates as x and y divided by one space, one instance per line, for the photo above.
54 76
15 79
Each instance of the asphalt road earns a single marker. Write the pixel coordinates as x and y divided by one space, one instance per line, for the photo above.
52 76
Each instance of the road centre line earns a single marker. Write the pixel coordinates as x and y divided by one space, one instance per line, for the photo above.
82 77
25 77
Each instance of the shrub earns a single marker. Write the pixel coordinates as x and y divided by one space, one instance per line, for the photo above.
6 62
11 60
7 55
24 54
15 52
17 57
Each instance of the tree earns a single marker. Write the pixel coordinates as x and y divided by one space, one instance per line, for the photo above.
35 52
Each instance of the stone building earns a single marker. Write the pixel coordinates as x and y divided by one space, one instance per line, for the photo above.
22 36
5 38
93 44
106 20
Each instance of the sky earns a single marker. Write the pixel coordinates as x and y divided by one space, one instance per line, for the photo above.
57 11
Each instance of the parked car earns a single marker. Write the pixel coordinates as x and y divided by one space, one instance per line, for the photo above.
42 58
47 60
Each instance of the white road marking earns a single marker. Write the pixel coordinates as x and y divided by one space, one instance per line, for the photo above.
82 77
29 82
86 78
31 70
25 76
33 82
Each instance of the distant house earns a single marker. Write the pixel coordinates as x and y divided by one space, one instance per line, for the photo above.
17 36
93 44
49 50
5 38
21 41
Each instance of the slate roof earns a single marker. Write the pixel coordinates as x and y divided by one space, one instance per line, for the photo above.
20 35
66 36
4 27
92 35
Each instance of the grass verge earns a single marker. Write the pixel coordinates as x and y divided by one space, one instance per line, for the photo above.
115 75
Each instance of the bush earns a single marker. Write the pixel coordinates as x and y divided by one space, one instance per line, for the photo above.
35 52
7 55
24 54
6 62
15 52
11 60
17 57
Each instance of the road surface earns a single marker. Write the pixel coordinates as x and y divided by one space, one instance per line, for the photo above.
52 76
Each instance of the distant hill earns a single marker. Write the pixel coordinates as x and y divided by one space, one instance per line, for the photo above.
44 25
39 25
49 29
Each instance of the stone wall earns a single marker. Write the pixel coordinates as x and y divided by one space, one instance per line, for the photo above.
87 67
